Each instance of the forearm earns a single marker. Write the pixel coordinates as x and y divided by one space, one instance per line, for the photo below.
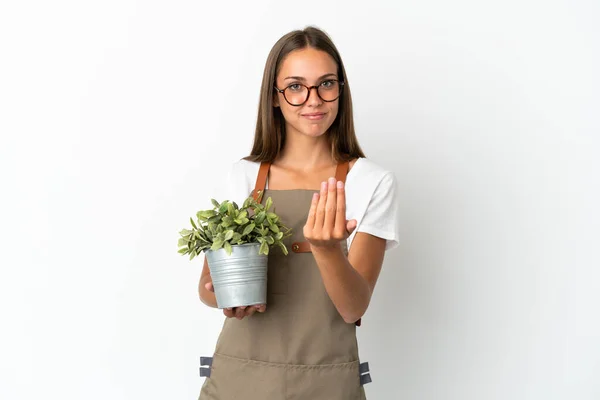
347 289
206 296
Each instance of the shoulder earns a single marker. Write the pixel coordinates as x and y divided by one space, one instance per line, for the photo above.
367 172
243 166
243 170
240 178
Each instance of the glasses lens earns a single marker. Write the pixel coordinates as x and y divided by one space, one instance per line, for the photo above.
296 94
329 90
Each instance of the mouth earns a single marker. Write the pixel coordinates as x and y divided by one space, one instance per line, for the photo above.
314 116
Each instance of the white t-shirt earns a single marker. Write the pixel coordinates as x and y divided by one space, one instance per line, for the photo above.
371 196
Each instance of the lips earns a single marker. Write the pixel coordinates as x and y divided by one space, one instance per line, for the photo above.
314 116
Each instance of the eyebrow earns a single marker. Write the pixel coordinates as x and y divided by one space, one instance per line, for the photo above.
299 78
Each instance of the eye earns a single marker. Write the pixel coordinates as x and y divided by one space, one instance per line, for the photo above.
327 84
295 87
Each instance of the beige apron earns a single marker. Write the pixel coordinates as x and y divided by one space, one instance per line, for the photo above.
300 348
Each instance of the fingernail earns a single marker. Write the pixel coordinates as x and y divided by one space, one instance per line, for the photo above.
340 184
332 181
315 195
323 185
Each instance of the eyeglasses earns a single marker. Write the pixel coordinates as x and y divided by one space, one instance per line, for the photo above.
297 94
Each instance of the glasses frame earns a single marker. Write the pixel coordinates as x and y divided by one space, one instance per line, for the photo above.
309 89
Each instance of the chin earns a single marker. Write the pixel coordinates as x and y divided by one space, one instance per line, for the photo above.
315 133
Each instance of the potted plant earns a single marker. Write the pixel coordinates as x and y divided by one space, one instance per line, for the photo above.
236 243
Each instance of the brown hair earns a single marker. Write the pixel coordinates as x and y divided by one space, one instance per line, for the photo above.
269 137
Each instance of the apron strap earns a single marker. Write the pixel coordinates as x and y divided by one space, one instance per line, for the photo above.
341 171
261 180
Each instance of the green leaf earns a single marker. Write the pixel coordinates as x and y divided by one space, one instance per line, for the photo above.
185 232
182 242
283 248
193 224
183 251
205 214
215 220
217 244
260 217
215 203
223 207
248 229
228 248
229 235
247 202
264 248
268 204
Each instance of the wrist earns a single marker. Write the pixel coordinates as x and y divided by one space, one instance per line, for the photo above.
326 249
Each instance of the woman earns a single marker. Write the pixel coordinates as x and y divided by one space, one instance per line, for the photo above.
303 344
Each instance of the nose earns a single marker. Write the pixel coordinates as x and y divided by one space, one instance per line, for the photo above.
313 97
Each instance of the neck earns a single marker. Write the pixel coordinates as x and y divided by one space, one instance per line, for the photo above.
302 152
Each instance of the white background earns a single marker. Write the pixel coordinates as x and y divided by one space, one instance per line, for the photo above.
118 117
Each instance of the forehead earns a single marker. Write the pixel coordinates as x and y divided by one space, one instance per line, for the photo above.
308 63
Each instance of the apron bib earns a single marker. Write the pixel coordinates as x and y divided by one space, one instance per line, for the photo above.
300 348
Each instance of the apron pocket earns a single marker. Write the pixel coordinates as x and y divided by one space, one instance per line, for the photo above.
324 382
234 378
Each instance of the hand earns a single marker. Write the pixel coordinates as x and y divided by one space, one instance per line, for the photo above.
238 312
326 224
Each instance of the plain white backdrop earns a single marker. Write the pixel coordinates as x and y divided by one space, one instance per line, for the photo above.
118 117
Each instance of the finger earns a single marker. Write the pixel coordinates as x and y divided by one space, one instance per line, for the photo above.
239 312
339 230
209 286
250 311
320 216
228 312
262 308
310 221
330 207
351 226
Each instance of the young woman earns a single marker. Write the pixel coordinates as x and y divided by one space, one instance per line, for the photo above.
342 208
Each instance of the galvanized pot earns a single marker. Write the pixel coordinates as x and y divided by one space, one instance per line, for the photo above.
239 279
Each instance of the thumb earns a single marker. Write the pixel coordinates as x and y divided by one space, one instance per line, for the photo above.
209 287
351 226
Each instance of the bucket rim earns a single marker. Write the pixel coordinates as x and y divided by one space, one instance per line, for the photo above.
233 245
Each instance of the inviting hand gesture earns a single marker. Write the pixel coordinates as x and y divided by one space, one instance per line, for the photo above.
326 225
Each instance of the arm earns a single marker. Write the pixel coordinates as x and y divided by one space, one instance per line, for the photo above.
206 296
350 282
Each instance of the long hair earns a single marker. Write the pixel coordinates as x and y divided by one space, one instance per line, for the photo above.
269 137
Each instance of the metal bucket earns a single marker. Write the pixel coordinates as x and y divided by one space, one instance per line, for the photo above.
239 279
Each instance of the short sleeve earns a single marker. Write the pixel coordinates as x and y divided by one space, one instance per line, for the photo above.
381 217
233 185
